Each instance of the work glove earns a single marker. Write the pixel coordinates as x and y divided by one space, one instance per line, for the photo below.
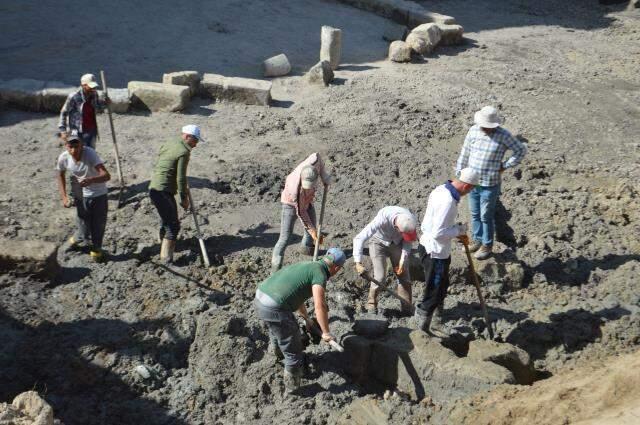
314 236
398 270
464 239
360 269
326 337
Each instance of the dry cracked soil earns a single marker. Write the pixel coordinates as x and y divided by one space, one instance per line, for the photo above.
132 341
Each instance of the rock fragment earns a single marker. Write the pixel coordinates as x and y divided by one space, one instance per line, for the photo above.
234 89
424 38
184 78
399 51
451 34
29 258
331 46
320 73
158 97
276 66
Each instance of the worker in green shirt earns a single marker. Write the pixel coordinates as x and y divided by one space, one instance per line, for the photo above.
285 292
170 177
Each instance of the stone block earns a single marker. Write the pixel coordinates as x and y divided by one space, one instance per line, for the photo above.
34 407
120 100
399 51
370 325
276 66
419 365
506 355
331 46
357 351
393 32
184 78
55 94
451 34
320 73
29 258
429 33
24 93
158 97
404 12
241 90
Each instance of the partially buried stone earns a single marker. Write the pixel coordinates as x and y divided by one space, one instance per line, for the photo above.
320 73
399 51
29 258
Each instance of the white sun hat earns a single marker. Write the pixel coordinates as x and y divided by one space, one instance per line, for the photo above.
470 176
487 117
193 130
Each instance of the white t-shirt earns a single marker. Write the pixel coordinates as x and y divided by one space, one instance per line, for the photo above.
84 168
439 223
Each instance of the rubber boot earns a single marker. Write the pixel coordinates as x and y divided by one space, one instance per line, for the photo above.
404 292
276 263
166 251
422 319
372 301
292 380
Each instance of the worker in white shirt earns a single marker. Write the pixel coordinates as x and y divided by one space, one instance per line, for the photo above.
392 233
438 229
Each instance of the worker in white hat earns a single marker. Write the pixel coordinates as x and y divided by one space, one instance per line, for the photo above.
79 112
438 230
484 150
391 234
297 200
170 177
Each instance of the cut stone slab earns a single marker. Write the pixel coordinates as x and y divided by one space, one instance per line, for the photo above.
55 94
320 73
23 93
29 258
276 66
370 325
120 100
242 90
331 46
403 12
393 32
451 34
506 355
399 51
184 78
34 407
158 97
430 35
419 365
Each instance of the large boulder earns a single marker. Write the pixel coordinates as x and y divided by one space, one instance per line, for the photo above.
184 78
450 34
399 51
22 93
29 258
506 355
419 365
424 38
320 73
234 89
158 97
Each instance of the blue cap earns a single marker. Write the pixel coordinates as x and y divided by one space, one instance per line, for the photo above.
337 256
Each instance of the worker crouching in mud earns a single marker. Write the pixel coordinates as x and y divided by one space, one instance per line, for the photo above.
297 201
284 293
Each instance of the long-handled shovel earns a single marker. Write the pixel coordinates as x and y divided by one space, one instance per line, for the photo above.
113 136
474 276
319 224
367 276
203 248
311 325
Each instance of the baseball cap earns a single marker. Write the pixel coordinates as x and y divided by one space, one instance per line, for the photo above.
193 130
406 224
90 80
308 176
73 136
338 256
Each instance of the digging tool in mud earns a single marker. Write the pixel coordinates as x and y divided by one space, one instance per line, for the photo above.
319 224
474 277
203 248
115 143
314 328
368 277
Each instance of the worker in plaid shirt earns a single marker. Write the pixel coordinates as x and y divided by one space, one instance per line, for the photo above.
484 149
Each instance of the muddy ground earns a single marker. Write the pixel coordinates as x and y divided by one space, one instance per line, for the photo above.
567 79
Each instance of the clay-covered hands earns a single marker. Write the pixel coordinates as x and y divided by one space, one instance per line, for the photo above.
327 337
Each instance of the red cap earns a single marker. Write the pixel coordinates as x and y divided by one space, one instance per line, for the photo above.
409 236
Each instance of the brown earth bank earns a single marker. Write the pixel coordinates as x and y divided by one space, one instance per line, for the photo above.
133 342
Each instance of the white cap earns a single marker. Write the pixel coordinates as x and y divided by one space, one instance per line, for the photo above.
487 117
90 80
193 130
470 176
308 176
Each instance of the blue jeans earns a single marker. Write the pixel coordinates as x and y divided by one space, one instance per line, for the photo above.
482 205
287 220
89 138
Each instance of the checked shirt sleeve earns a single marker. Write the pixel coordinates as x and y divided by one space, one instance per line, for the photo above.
463 159
519 151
